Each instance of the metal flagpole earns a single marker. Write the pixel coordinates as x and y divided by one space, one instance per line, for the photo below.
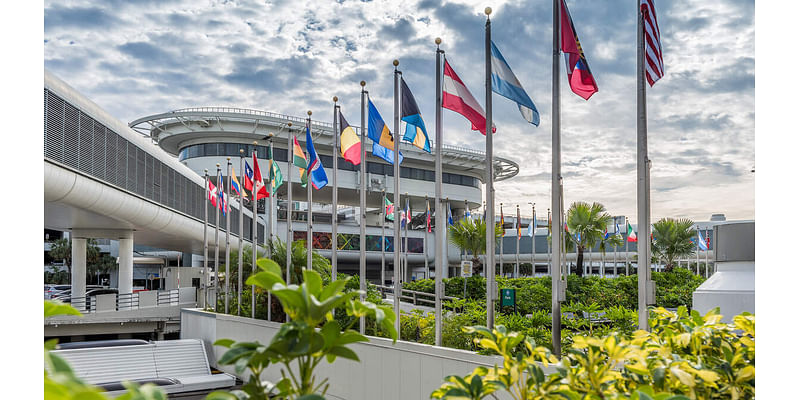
396 179
549 245
627 252
227 237
254 237
289 204
516 266
405 239
697 256
502 239
268 231
490 224
533 239
643 179
216 241
556 228
425 238
335 193
309 212
362 207
615 247
707 248
205 243
241 236
383 236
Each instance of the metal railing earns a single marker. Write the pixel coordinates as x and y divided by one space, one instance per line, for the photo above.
413 296
131 301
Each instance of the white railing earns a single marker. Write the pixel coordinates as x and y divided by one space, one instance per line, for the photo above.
413 296
135 301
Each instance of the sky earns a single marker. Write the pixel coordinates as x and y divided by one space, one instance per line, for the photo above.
137 58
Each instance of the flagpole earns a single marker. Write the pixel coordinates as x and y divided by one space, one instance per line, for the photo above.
615 247
383 235
254 237
502 239
697 254
627 250
490 224
205 242
227 237
643 181
556 183
216 241
707 247
268 231
309 212
335 194
533 240
362 207
425 238
241 236
549 245
405 238
516 267
290 204
396 180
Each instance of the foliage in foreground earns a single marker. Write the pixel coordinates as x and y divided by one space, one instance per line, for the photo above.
686 356
60 382
299 346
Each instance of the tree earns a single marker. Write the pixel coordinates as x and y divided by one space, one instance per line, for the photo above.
61 249
469 235
299 259
672 239
586 225
102 265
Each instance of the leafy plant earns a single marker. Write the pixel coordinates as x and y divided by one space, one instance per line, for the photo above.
672 240
469 235
311 335
686 356
586 224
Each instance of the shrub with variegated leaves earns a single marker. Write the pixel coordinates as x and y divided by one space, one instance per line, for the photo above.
684 356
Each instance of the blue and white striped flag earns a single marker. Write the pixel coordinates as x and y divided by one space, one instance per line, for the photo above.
506 84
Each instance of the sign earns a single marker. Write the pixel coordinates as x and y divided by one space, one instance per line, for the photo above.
466 269
508 297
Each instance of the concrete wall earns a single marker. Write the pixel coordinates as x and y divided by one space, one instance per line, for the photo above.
402 370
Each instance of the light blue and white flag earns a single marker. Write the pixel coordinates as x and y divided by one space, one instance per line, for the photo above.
532 226
506 84
701 242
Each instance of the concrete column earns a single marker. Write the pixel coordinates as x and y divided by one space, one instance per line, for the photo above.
78 273
125 271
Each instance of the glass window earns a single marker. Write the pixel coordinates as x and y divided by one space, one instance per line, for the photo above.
182 155
405 172
375 168
262 152
279 154
327 161
210 149
232 149
430 176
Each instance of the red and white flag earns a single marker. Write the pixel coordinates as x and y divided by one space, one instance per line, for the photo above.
653 60
456 97
212 194
259 189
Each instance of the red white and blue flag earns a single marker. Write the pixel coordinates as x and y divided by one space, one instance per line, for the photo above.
259 189
248 177
653 60
579 75
315 169
212 193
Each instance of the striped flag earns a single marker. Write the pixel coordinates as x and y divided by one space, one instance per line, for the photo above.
506 84
456 97
653 60
580 77
349 142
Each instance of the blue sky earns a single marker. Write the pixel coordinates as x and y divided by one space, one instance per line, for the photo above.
136 58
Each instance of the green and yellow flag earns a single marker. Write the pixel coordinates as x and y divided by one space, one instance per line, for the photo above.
275 176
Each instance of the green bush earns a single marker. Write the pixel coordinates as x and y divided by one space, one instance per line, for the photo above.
686 356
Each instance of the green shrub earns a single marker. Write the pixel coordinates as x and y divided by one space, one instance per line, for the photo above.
685 356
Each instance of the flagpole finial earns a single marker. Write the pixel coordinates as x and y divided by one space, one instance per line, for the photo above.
228 158
255 143
396 62
217 165
438 41
309 113
241 151
363 83
205 170
270 135
289 124
335 99
487 10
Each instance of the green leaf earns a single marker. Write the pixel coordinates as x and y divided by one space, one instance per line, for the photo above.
53 308
350 337
330 331
220 395
312 281
234 354
224 342
344 352
268 265
310 397
265 280
333 288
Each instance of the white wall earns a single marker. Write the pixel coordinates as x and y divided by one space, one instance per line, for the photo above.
403 370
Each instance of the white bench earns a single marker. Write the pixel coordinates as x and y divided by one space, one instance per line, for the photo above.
183 361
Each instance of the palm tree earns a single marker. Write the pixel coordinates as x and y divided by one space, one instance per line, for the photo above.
672 239
586 224
61 249
319 263
469 235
